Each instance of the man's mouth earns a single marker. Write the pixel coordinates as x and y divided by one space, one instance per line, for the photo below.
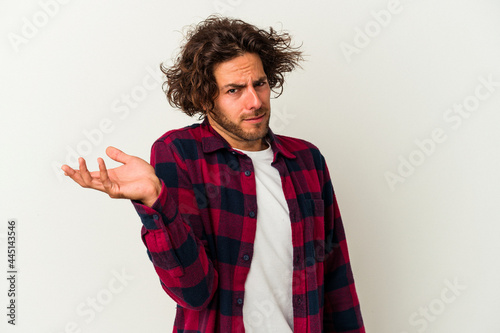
255 119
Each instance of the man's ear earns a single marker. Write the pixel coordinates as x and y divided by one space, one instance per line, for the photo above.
205 108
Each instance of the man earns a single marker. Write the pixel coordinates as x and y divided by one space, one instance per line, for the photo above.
241 224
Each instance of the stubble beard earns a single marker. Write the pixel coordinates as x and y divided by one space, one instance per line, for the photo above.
235 130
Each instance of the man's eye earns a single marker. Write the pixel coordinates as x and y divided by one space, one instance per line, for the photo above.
231 91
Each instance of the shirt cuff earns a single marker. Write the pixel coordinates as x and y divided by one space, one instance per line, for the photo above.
163 211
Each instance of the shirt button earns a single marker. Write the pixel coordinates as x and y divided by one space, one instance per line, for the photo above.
297 259
155 217
246 257
251 214
239 301
299 301
248 173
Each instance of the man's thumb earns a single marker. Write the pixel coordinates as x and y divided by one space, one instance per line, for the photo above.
117 155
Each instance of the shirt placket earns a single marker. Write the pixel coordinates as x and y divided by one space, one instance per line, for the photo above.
245 255
299 289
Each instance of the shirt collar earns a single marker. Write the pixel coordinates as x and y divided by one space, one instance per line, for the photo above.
212 141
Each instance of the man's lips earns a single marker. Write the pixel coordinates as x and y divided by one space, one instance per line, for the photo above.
255 119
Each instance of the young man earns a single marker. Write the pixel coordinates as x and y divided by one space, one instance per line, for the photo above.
241 224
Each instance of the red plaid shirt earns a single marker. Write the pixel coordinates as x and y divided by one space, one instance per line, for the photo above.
200 232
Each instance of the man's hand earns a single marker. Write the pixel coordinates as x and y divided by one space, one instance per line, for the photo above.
135 179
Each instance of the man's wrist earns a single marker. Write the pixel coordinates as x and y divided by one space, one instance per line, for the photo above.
150 200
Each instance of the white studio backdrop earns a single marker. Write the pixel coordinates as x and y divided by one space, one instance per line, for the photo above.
402 97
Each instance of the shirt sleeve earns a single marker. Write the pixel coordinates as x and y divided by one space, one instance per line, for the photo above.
342 311
179 257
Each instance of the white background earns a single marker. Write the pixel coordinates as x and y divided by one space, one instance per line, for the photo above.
435 226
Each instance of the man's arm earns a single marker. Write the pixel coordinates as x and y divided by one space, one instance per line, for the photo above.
342 310
180 258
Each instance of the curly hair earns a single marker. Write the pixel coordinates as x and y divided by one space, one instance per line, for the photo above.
191 84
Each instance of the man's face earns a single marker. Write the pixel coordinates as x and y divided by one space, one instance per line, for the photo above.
242 109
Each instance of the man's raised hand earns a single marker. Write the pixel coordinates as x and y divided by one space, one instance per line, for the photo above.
135 179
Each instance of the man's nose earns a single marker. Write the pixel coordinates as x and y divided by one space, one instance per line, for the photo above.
253 101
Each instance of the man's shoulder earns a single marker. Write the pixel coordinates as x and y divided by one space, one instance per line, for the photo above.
190 132
296 145
185 141
308 155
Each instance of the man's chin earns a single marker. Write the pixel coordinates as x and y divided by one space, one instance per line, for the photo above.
259 135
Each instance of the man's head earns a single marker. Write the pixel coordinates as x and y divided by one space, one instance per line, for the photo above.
191 84
225 71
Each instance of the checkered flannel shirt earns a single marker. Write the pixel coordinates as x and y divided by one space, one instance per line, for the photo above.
199 233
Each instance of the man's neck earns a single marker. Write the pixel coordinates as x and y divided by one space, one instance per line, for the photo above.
247 145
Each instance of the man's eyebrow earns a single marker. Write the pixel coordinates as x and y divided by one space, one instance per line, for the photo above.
239 86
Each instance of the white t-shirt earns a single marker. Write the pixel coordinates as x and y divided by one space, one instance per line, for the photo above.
268 287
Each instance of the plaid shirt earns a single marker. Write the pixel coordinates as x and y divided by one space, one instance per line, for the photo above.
200 232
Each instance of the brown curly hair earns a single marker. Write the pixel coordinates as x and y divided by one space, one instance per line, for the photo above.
191 85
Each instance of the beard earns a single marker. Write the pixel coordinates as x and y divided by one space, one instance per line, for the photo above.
258 132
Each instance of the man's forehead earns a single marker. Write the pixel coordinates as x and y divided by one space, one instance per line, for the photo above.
241 68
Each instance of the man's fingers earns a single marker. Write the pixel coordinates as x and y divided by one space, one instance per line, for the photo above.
84 172
73 174
83 177
117 155
95 174
103 174
68 171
